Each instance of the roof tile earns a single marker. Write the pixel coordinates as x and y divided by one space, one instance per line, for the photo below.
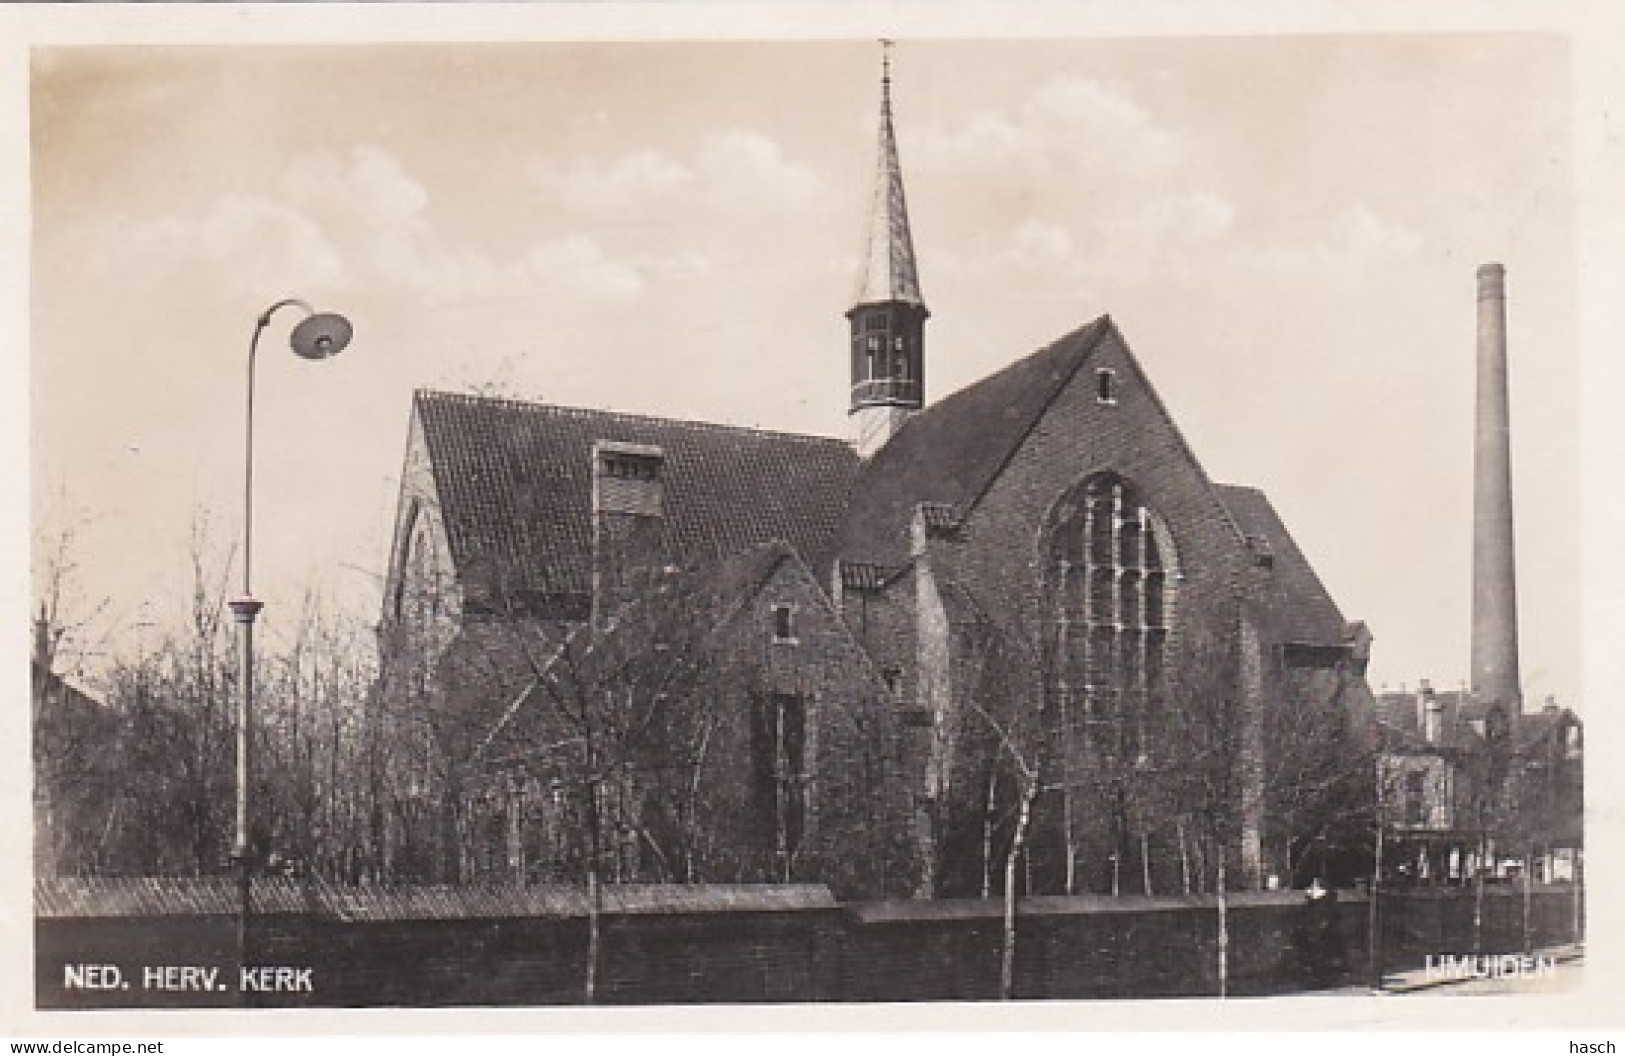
515 484
1297 597
949 452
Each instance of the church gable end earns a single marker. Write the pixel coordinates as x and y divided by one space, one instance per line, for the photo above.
951 451
1076 435
421 583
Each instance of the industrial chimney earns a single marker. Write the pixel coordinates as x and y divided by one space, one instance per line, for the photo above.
1495 600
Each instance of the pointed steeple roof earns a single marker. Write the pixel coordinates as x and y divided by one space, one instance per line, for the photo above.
888 271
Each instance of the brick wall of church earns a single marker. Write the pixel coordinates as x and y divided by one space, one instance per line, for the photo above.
1004 552
884 623
844 756
859 799
1077 437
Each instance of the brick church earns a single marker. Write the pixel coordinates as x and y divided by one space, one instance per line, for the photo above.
677 651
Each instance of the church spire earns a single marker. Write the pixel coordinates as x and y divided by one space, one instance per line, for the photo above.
888 271
888 316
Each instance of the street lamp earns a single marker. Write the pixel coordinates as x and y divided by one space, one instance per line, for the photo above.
318 336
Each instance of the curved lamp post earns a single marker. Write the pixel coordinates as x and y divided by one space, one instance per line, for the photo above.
318 336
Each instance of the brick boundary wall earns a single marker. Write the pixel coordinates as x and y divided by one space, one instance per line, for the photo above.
1068 948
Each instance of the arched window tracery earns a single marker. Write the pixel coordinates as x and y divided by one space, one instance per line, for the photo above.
1113 572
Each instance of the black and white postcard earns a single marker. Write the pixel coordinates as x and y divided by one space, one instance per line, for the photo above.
723 508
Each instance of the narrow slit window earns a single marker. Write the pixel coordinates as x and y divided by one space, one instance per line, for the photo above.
1105 385
784 623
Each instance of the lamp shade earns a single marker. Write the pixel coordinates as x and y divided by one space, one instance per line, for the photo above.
320 336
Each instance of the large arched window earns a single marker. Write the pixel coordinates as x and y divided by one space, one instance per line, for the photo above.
1112 574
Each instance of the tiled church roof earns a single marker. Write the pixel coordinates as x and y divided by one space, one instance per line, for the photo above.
1299 600
949 452
515 486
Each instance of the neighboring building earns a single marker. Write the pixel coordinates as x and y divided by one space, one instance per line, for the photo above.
1461 797
1550 792
1035 570
1433 746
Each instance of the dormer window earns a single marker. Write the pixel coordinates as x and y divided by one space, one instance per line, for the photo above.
1106 386
631 467
626 478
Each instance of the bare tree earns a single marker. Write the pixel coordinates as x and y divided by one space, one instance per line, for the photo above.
1319 767
156 784
313 745
999 742
670 743
1014 729
71 626
1205 745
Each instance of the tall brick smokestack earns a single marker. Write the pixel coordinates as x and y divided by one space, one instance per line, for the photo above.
1495 598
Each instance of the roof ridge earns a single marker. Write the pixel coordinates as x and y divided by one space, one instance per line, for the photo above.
1254 488
1305 566
698 425
1087 337
1100 322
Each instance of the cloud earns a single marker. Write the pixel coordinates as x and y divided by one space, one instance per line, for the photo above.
749 172
1355 239
1079 179
579 267
258 241
1075 177
1041 246
1069 126
369 185
359 218
1104 121
630 182
1362 234
1162 233
380 211
735 172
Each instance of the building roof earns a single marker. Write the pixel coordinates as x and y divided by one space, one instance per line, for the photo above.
888 269
858 575
1462 718
950 452
1400 715
1295 595
1538 730
515 487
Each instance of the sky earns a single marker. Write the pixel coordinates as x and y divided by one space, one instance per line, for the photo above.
1286 229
